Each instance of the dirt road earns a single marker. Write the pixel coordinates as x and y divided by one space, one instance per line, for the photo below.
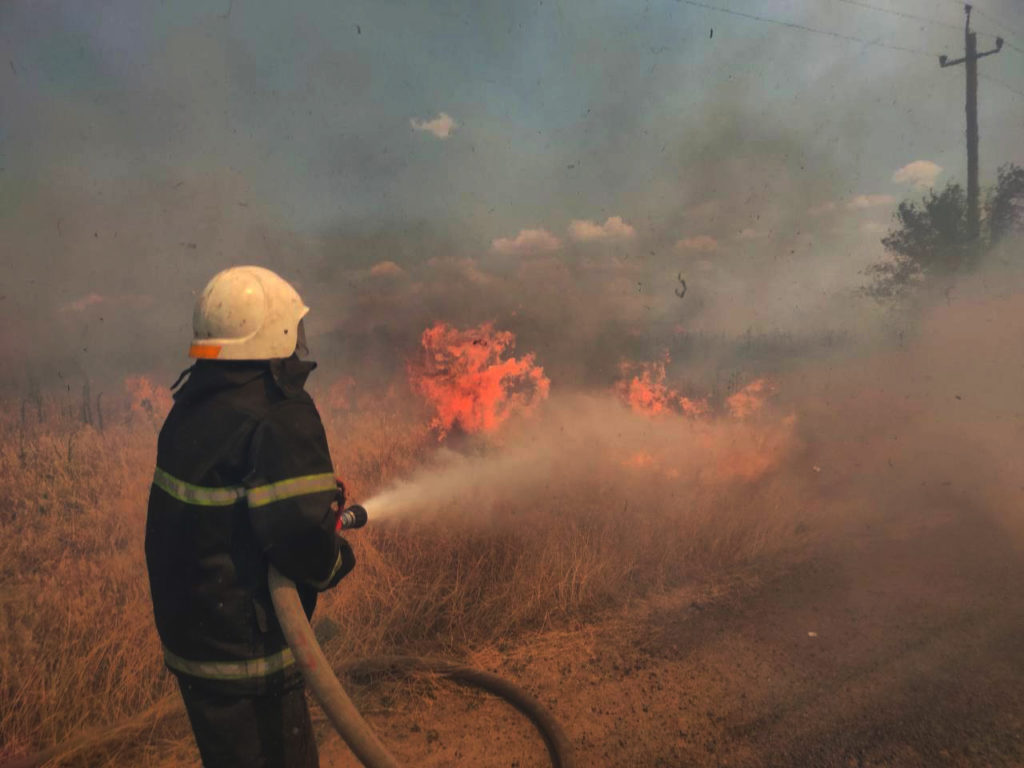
902 645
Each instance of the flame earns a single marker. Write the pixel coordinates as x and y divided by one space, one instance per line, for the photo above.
694 407
729 445
146 398
643 388
645 391
470 383
749 400
719 451
639 459
762 447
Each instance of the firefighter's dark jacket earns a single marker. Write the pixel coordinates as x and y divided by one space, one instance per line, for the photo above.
243 478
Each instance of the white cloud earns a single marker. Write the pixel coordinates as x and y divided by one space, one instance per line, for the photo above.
821 208
613 228
920 173
527 241
441 126
84 303
747 233
700 243
860 202
386 269
129 300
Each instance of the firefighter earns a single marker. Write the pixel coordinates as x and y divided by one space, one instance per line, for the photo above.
243 479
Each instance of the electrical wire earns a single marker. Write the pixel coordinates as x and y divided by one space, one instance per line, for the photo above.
993 19
1001 84
804 28
999 25
901 14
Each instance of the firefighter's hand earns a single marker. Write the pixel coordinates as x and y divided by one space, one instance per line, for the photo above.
338 504
339 495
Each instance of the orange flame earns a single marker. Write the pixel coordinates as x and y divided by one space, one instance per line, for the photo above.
465 376
736 448
749 400
643 388
639 459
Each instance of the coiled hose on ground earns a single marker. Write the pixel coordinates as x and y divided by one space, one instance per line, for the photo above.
346 718
329 692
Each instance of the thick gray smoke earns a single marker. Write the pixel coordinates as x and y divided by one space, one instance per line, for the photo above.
919 414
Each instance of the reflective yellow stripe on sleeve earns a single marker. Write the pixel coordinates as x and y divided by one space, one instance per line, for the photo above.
247 669
287 489
196 494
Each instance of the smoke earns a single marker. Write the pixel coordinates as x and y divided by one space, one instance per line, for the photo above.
598 444
921 416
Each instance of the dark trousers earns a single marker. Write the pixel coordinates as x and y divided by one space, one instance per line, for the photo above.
272 731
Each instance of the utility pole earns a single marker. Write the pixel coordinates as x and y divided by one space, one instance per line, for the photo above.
970 62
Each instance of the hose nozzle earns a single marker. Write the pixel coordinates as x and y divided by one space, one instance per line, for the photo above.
352 517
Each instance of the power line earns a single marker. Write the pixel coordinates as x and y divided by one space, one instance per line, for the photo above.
970 62
903 15
1008 44
1001 84
925 19
803 28
993 19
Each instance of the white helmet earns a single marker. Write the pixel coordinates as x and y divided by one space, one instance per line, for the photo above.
246 313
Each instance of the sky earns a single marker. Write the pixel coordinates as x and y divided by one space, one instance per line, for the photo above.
551 166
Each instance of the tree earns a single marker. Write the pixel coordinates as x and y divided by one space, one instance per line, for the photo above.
1005 205
931 239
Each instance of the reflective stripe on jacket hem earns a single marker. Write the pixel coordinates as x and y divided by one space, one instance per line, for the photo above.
231 670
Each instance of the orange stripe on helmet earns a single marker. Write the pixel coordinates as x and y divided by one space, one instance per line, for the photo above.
204 351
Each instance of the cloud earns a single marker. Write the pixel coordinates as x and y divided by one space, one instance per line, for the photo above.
821 208
613 228
527 241
920 173
748 233
386 269
80 305
860 202
127 300
700 243
441 126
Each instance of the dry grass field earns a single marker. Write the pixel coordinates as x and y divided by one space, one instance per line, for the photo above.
652 566
79 653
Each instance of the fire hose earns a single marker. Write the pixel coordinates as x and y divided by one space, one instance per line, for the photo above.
328 691
339 708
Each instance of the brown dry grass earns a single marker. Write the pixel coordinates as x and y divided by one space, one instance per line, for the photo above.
78 649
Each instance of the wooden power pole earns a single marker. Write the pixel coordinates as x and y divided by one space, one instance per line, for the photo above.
970 62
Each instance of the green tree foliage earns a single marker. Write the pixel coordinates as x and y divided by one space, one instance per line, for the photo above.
931 238
1005 204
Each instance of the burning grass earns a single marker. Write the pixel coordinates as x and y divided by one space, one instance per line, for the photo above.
554 526
472 383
